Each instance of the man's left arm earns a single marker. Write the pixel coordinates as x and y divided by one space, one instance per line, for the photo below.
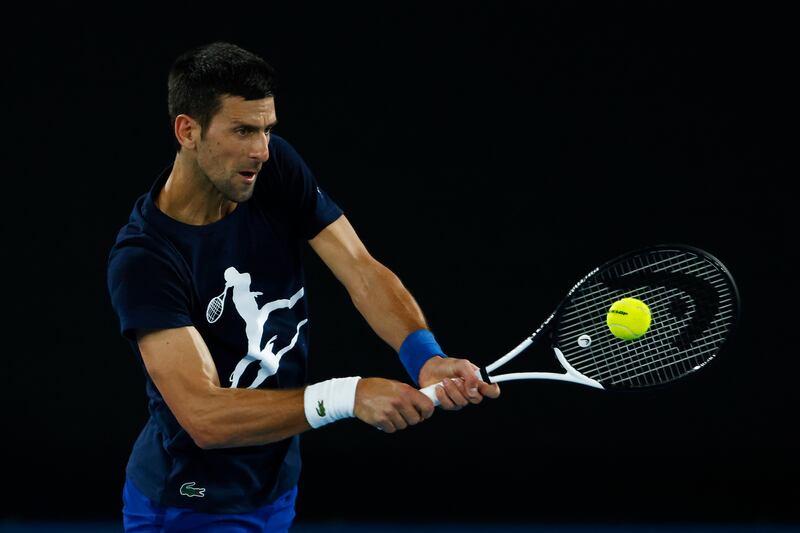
393 314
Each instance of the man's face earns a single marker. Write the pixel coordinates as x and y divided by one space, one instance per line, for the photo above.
235 145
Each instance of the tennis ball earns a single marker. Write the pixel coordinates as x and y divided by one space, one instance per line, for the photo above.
628 319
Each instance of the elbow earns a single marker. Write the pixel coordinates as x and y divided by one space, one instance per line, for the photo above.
206 441
215 439
203 420
205 436
210 440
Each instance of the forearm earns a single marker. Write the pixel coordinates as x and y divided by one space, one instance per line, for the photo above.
183 371
237 414
247 417
386 304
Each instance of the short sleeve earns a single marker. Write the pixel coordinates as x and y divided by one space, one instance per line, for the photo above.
147 290
310 207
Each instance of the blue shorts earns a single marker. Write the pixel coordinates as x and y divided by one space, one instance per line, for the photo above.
142 515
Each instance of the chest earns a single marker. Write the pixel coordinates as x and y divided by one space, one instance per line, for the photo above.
248 300
254 246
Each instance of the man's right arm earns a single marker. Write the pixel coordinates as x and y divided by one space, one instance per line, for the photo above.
181 367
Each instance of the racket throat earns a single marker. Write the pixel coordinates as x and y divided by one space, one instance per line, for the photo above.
576 376
571 375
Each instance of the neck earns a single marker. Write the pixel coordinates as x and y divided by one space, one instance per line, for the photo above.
188 196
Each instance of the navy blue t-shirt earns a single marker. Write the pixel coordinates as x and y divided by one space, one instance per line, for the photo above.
239 282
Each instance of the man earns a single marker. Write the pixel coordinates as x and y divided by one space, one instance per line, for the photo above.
207 268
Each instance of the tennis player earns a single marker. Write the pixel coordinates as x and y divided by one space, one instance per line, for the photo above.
207 280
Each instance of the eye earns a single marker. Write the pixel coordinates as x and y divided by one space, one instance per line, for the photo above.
241 132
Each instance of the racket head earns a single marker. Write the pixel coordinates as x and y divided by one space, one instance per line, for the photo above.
694 305
214 309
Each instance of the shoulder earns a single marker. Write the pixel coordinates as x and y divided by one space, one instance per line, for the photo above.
279 146
285 170
284 156
138 251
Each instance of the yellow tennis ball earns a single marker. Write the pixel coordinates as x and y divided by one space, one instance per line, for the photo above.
628 319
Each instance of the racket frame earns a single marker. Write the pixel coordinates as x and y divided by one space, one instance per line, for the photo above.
570 374
221 299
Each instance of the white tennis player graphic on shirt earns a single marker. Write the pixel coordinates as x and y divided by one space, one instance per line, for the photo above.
254 317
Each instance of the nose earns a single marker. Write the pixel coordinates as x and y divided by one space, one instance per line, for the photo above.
260 149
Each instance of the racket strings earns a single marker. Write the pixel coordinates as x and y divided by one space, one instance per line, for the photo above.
664 364
668 328
214 309
661 357
596 294
656 357
625 360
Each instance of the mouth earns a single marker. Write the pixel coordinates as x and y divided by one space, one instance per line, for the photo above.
248 175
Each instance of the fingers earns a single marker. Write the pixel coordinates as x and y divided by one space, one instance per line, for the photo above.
386 426
468 373
444 400
403 419
423 405
391 406
490 390
474 388
407 414
452 394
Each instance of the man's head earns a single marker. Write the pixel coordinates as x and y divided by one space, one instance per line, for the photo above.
200 77
222 111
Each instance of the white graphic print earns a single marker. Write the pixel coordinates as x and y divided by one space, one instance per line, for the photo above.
245 303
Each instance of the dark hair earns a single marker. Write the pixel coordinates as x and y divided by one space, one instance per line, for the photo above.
199 77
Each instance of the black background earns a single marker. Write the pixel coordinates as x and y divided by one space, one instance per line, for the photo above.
490 155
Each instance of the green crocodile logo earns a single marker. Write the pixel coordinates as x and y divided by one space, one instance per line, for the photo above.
320 408
188 489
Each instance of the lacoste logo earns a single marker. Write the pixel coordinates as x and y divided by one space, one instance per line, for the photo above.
188 489
320 408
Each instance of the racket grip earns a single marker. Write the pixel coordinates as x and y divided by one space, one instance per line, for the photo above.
430 390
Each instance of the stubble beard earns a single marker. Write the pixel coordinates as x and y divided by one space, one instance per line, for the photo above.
233 193
227 189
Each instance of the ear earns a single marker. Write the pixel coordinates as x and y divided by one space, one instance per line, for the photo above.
187 131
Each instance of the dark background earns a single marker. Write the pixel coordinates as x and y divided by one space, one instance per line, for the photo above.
489 154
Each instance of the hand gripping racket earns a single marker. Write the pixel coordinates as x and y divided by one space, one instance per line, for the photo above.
694 306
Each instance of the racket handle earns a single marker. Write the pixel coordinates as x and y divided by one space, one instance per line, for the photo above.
430 390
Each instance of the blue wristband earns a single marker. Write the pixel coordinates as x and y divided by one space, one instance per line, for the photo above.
416 350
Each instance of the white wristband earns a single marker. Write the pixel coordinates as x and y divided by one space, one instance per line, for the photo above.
329 401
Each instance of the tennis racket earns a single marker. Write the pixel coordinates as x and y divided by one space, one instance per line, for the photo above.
694 306
216 306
